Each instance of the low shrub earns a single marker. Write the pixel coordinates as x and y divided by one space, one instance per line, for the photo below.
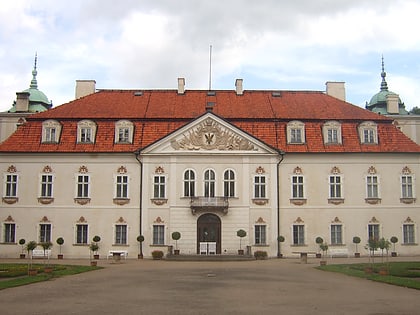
260 254
157 254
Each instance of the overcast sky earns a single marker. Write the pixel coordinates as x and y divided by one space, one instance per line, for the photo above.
270 44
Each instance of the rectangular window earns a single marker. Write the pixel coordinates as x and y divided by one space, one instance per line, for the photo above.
260 235
407 186
335 186
159 187
45 233
336 234
369 136
121 234
259 186
297 187
122 186
85 135
296 135
46 186
408 234
373 231
298 234
83 186
372 186
124 135
10 233
11 185
81 234
50 134
158 234
332 135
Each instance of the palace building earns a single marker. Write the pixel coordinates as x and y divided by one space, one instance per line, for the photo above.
124 163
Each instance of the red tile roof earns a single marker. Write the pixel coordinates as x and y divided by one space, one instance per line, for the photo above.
155 113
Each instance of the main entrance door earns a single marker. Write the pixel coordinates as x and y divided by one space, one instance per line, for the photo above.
209 231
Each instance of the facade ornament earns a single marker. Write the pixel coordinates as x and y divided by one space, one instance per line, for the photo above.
159 220
47 169
335 170
11 169
122 170
83 169
297 170
406 170
209 135
372 170
82 220
45 219
9 219
299 220
159 170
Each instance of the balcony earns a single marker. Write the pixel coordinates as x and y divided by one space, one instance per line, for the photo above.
212 204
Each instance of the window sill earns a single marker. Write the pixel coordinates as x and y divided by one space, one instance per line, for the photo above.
159 201
260 201
10 200
261 245
373 201
298 245
121 201
409 244
121 245
298 202
408 200
336 201
82 201
45 200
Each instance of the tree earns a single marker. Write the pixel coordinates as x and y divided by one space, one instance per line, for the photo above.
280 239
176 236
140 239
415 110
241 234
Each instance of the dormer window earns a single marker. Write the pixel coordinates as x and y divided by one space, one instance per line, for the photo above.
368 133
332 132
86 131
51 130
124 131
295 132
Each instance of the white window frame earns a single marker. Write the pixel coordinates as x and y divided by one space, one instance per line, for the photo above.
158 235
374 229
84 230
300 240
83 184
409 237
334 186
229 183
9 235
260 186
368 132
296 132
120 237
370 185
11 185
46 184
336 237
407 186
159 187
122 186
297 195
86 131
260 234
189 184
209 183
333 127
51 130
127 128
45 235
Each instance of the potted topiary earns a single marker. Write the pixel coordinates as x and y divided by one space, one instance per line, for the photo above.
22 242
241 234
140 239
94 247
157 254
356 240
176 236
394 240
319 240
280 239
324 248
96 239
60 242
30 247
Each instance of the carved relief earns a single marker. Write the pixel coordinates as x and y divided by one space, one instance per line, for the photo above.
209 135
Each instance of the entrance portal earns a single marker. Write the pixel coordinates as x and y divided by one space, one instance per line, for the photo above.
209 231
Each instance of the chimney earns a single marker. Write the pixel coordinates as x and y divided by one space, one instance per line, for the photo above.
181 85
336 89
85 87
392 104
239 87
22 101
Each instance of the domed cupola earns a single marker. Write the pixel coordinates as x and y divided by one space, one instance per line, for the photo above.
37 100
386 102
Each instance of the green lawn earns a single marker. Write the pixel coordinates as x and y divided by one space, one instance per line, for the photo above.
13 275
405 274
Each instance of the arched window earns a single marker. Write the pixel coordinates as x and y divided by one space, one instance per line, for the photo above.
209 183
189 183
229 183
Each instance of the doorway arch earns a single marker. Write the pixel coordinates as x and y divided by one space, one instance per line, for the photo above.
209 229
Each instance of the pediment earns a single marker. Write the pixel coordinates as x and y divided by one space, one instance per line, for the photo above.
209 134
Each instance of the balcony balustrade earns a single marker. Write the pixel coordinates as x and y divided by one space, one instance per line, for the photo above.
209 204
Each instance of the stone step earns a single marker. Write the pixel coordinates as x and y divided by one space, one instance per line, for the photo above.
210 257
